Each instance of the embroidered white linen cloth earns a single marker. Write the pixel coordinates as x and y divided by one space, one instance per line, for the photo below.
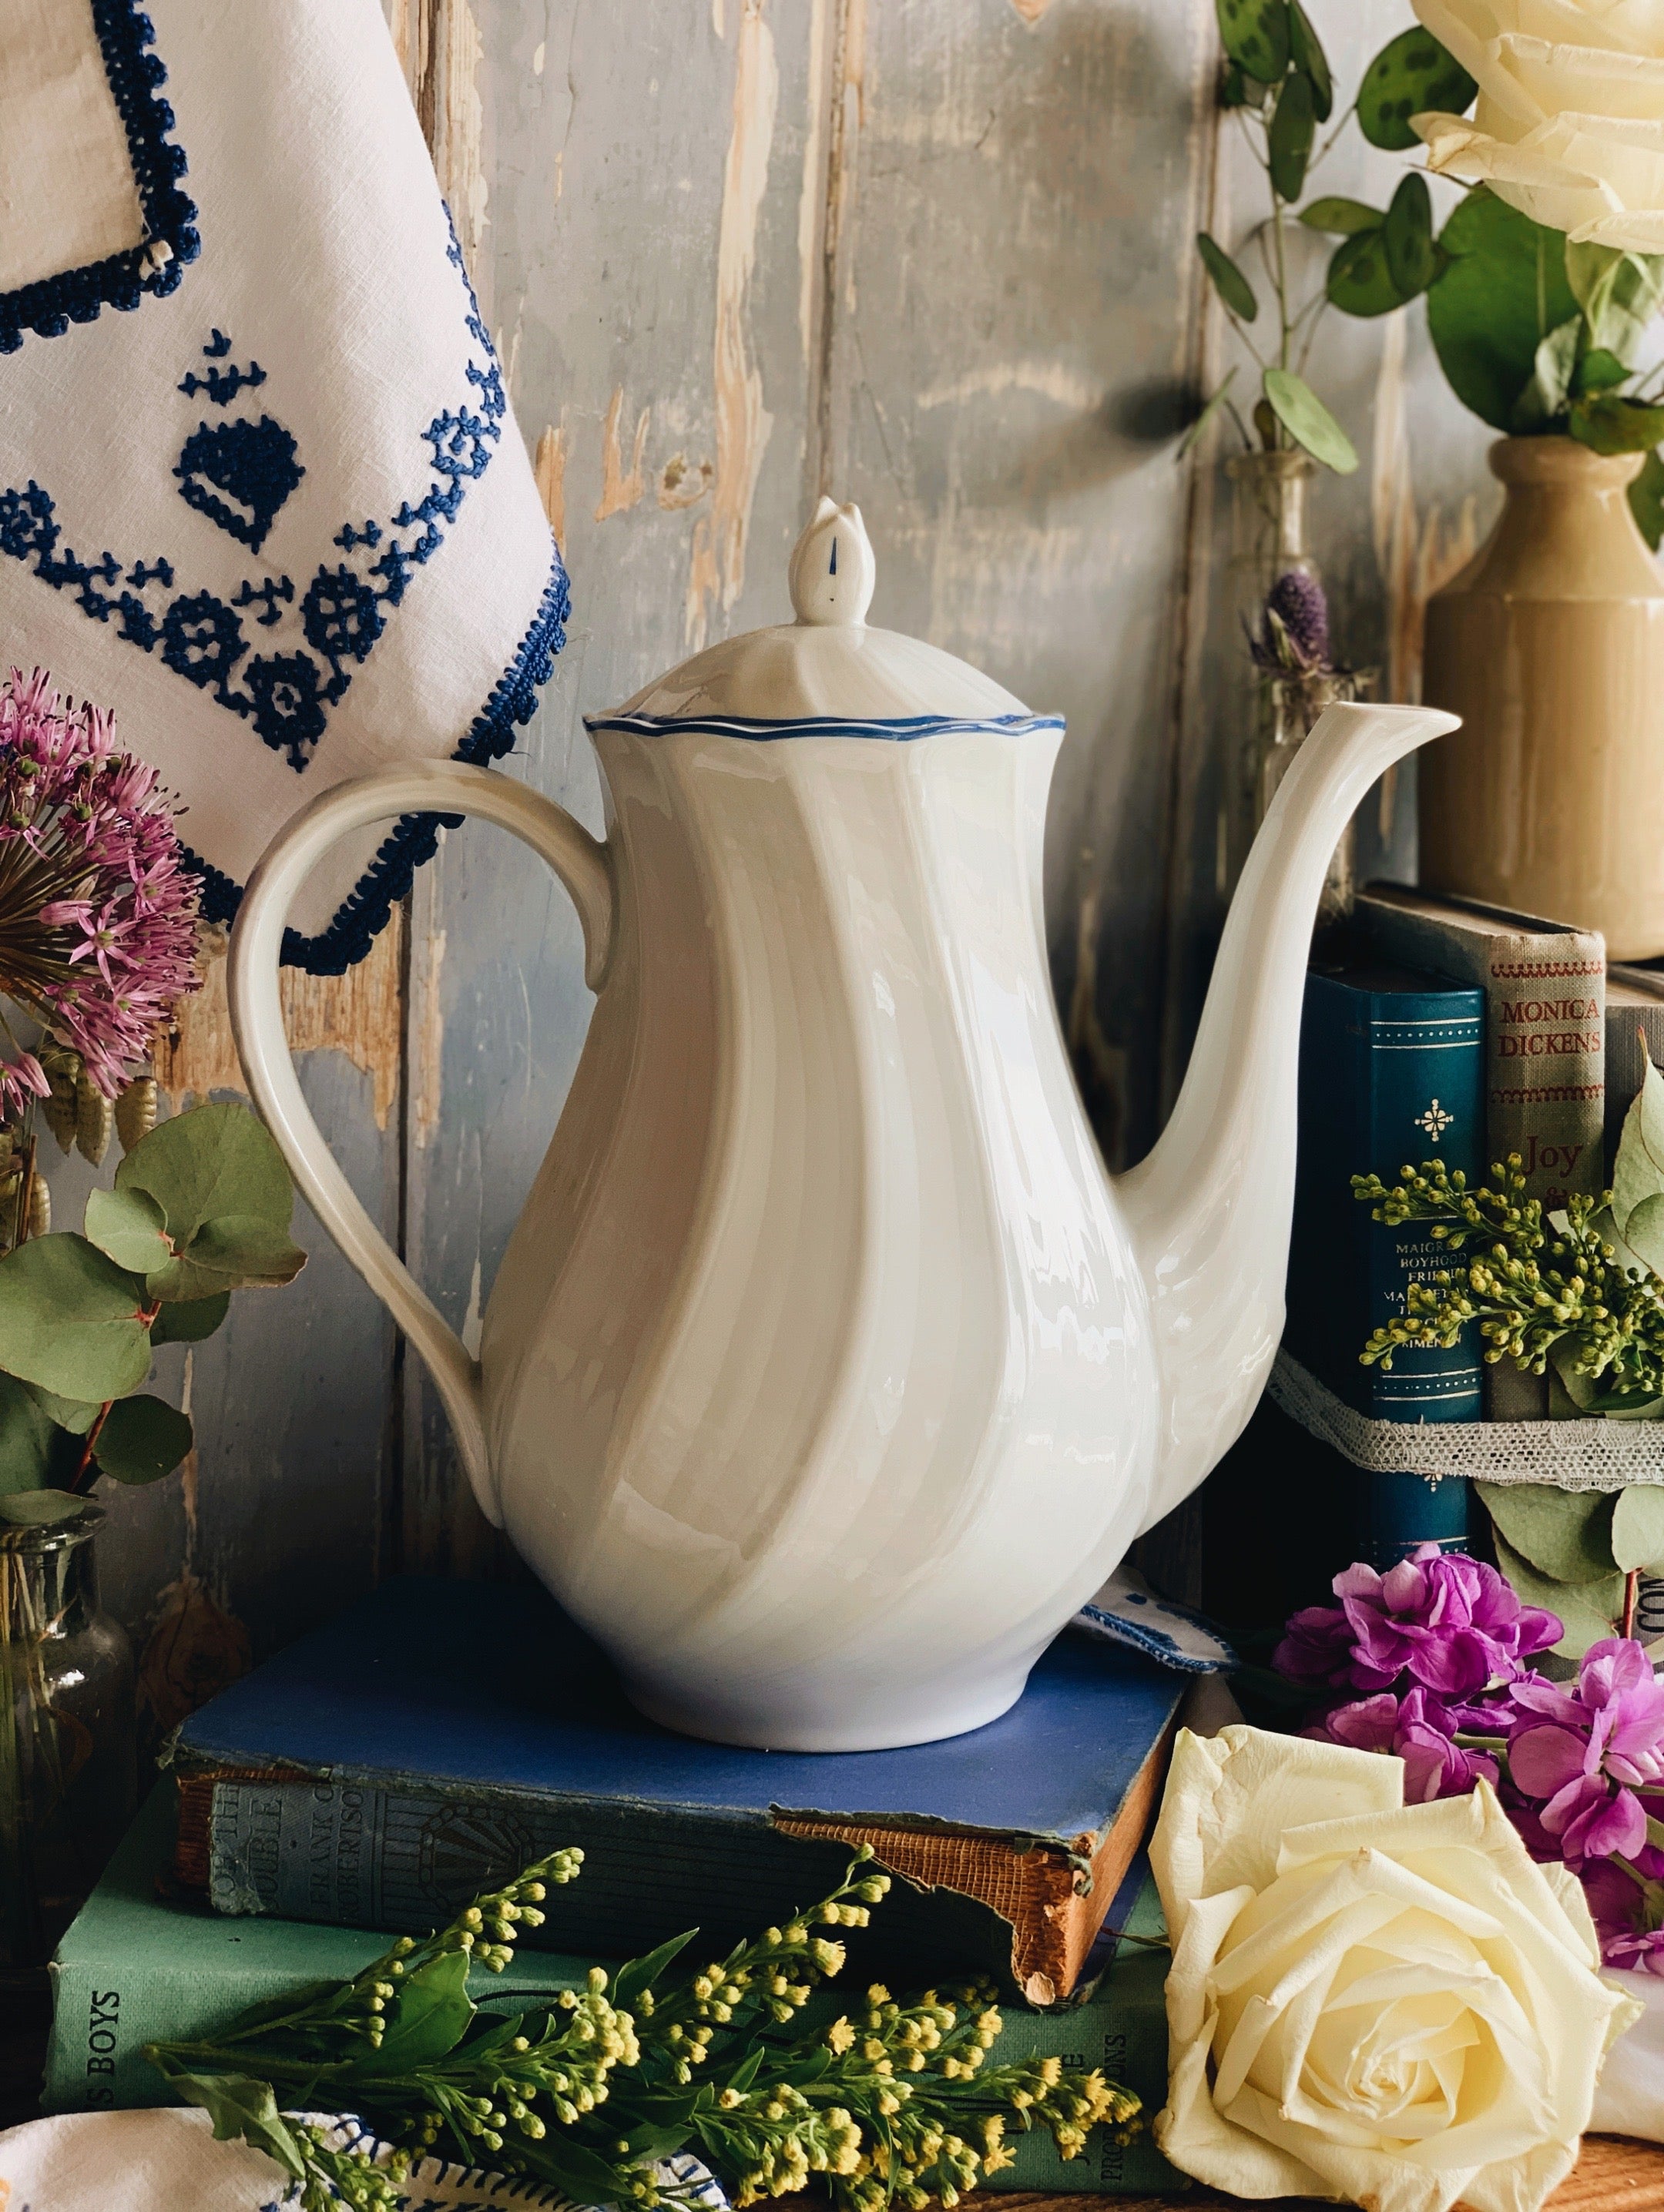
260 488
166 2159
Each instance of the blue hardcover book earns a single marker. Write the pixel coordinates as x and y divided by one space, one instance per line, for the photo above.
439 1735
1391 1073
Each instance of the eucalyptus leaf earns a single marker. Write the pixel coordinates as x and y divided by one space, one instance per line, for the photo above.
189 1320
1587 1611
1503 290
130 1227
1306 52
1607 422
1413 75
69 1319
1232 286
39 1508
1407 234
75 1414
1359 282
26 1439
1643 1233
1342 218
1646 499
1637 1527
214 1161
234 1250
1255 35
1638 1172
1288 140
141 1440
1564 1534
1309 421
430 2017
1592 1396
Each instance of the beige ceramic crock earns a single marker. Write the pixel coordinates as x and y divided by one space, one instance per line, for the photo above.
1550 645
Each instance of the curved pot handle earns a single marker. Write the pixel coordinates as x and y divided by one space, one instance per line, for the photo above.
582 864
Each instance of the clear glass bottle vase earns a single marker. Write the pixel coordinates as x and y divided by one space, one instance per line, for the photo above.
67 1763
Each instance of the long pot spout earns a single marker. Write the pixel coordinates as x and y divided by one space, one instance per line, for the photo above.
1210 1210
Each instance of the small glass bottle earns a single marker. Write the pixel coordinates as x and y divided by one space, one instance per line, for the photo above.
67 1762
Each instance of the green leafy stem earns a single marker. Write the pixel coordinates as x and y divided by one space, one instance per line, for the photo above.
891 2102
200 1208
1534 334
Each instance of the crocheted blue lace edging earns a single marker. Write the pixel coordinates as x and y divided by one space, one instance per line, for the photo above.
415 837
51 304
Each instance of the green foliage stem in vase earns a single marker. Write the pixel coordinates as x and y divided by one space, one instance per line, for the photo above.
892 2102
200 1208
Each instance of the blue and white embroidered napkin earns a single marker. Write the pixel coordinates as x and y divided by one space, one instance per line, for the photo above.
260 489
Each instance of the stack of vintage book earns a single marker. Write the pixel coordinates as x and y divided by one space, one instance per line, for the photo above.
1438 1027
433 1740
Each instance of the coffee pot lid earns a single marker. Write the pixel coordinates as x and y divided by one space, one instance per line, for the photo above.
827 666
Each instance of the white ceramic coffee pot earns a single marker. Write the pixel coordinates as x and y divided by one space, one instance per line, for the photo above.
827 1372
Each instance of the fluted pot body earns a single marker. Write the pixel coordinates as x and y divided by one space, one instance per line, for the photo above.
1550 645
845 1355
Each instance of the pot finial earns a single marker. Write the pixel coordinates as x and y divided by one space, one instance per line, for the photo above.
832 571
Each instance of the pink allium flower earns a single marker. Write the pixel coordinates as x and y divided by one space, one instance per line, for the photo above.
1581 1750
1450 1623
98 914
1417 1729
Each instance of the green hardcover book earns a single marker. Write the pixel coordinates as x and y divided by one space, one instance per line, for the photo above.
137 1968
134 1968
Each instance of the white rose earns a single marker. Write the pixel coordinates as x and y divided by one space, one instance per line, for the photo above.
1370 2002
1569 123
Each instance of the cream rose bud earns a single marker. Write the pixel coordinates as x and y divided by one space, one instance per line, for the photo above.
1569 127
1381 2004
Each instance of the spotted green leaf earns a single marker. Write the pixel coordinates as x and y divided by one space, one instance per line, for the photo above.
1407 234
1341 217
1359 282
1411 75
1232 286
1255 35
1306 52
1288 140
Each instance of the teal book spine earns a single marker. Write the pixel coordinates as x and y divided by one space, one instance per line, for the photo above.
1391 1073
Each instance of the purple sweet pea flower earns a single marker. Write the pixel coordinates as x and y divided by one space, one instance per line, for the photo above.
1582 1751
1451 1623
1618 1903
1417 1729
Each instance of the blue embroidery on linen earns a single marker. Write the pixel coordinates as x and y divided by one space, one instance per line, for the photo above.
286 693
251 464
203 641
274 597
415 838
155 266
222 385
342 617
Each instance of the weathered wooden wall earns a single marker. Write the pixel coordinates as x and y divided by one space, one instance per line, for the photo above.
934 255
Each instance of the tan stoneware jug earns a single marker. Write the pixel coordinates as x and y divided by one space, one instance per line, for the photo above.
1550 645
